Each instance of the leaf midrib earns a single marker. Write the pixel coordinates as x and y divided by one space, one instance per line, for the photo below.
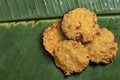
57 18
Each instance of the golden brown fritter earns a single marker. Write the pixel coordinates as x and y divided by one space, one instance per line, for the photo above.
71 56
52 35
103 48
80 24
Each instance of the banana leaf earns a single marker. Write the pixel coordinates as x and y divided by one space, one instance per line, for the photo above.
22 23
45 9
23 57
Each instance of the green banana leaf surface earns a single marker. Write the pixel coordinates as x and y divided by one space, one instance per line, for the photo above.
46 9
22 23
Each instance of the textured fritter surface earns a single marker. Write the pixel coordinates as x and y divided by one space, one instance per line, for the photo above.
80 24
71 56
103 48
51 36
